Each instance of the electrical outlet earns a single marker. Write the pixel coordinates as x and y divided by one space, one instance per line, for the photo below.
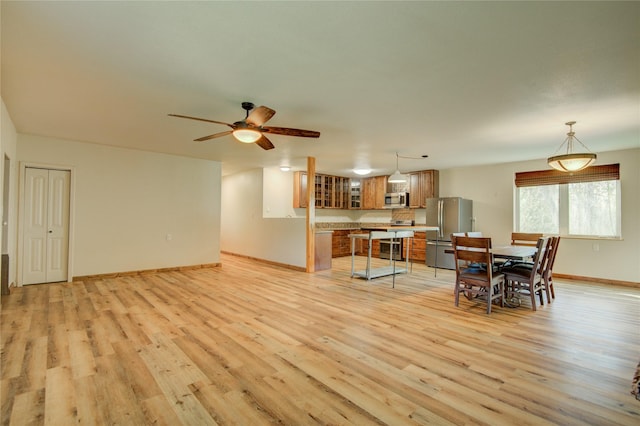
169 237
596 247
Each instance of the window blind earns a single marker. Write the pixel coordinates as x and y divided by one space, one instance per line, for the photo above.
553 177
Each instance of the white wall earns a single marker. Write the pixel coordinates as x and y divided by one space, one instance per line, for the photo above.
277 198
492 190
244 229
8 141
128 201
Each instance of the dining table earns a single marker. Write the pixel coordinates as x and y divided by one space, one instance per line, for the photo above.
519 253
513 254
510 253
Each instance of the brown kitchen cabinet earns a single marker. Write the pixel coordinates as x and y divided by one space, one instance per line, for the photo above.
341 243
422 185
337 192
299 190
418 247
355 194
331 192
372 192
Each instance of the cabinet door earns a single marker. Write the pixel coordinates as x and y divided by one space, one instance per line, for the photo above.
416 183
368 193
381 189
355 194
372 192
430 185
318 186
422 185
299 190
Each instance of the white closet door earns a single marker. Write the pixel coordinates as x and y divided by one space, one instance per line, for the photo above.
46 230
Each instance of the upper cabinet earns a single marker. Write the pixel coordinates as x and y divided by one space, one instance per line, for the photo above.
355 190
336 192
373 190
331 192
300 190
422 185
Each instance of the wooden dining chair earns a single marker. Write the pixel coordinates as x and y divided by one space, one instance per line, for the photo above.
529 280
475 281
546 266
520 239
548 269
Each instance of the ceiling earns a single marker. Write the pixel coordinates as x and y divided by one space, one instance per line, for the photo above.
466 83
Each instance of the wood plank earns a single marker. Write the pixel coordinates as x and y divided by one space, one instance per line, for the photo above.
258 343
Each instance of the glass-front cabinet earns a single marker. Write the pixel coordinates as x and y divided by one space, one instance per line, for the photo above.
331 192
355 193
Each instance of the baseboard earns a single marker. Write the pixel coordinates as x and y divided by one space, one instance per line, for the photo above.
597 280
269 262
145 272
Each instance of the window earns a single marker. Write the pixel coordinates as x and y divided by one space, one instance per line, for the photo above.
581 204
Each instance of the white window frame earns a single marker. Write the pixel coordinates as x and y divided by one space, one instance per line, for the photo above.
563 213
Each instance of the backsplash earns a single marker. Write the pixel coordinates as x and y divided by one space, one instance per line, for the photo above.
396 215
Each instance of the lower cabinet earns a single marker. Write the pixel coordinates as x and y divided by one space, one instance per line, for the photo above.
419 247
323 253
341 243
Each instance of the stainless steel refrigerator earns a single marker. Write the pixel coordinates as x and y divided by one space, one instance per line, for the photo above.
450 214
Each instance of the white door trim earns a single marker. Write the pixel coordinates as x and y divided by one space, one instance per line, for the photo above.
21 190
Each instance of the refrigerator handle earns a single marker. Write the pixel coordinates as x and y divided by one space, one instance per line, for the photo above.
440 218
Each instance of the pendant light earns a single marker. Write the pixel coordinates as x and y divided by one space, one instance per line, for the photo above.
397 177
571 162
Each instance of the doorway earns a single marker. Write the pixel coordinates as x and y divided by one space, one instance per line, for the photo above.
45 225
4 265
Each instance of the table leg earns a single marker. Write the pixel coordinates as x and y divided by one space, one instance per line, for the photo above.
368 272
393 259
353 254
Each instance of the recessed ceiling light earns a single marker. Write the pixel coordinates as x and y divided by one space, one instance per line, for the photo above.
285 168
362 172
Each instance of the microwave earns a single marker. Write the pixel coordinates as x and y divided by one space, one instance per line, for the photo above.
394 200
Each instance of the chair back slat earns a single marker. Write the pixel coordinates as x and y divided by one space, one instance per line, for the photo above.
525 238
540 257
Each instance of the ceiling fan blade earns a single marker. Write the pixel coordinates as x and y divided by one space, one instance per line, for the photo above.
216 135
260 115
202 119
264 143
291 132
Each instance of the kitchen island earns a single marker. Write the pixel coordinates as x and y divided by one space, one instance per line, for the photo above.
384 233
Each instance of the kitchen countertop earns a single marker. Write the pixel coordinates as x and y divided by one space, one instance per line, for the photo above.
398 228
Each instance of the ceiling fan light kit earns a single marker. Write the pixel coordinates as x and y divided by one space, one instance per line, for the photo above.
571 162
247 135
252 129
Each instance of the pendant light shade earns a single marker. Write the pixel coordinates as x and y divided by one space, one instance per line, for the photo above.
397 177
571 162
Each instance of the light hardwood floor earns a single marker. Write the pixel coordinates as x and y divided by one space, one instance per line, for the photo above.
252 344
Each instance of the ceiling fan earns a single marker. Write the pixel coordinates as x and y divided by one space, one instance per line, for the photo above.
252 129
